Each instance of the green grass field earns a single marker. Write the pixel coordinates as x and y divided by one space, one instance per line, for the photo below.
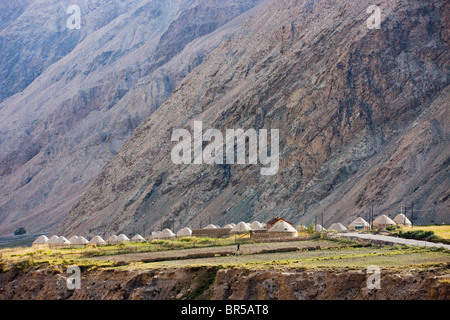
387 257
441 231
331 254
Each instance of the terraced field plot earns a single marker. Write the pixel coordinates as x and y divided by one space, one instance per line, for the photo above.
230 250
346 257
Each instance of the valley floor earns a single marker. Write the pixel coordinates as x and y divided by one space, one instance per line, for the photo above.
314 269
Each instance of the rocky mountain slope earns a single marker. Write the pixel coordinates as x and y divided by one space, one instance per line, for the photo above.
73 97
363 116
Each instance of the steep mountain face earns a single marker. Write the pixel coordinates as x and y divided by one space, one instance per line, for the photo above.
363 118
33 36
81 93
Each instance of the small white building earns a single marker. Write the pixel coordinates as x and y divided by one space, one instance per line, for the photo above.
256 225
319 228
338 227
58 242
185 232
122 238
138 238
73 239
241 228
80 241
113 239
359 224
382 222
283 229
97 240
403 220
166 234
41 241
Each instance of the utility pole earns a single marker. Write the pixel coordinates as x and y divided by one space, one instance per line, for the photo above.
322 221
412 214
371 217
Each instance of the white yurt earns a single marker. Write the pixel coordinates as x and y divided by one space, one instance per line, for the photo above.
228 226
113 239
359 224
284 228
155 235
122 238
185 232
233 224
383 221
301 227
40 241
339 227
61 241
402 220
73 239
97 240
80 241
319 228
138 238
64 240
256 225
52 239
166 233
210 226
83 240
240 228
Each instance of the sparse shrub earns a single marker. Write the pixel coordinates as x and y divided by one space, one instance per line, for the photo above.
418 235
311 229
162 242
204 281
22 266
393 228
3 266
205 240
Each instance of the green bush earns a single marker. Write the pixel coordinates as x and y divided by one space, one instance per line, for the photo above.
20 231
418 235
162 242
3 266
393 228
311 229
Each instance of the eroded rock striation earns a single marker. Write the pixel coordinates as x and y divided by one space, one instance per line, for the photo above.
225 284
363 116
71 98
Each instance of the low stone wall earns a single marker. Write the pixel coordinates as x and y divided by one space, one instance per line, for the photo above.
211 233
264 235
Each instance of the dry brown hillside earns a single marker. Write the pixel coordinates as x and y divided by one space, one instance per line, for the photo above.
79 94
363 118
